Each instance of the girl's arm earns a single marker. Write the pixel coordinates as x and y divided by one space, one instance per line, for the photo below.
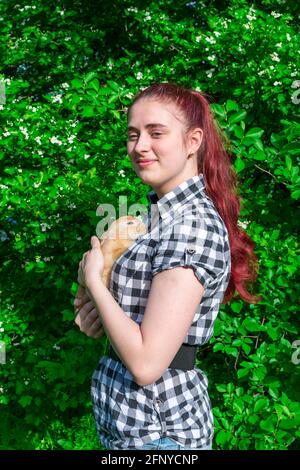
148 349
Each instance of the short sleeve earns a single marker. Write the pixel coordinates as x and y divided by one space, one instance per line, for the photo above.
192 243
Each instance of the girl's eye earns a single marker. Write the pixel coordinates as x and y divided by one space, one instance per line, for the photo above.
133 136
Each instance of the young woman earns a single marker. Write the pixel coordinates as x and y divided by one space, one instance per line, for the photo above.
166 289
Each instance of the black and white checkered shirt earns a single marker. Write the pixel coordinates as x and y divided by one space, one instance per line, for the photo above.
185 229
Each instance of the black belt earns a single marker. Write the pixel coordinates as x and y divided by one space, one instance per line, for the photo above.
184 359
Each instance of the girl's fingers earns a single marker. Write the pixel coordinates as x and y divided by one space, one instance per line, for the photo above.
99 334
95 329
81 298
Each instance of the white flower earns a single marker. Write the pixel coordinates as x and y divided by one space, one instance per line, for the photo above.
275 15
57 99
55 140
133 9
247 25
122 173
139 76
275 57
110 65
38 140
6 134
1 107
216 33
129 95
279 44
44 226
86 156
210 39
71 139
209 72
24 132
243 224
56 347
288 36
277 83
198 38
147 16
211 57
65 86
262 72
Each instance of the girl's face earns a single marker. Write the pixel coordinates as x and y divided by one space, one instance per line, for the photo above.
156 147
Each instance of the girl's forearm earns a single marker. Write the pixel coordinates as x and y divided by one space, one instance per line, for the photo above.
124 333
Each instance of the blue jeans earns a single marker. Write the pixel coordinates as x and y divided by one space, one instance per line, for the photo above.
165 443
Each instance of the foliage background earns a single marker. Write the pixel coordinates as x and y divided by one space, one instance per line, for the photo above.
70 69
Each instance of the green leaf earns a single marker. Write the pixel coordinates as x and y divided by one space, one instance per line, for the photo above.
25 400
288 162
236 306
238 405
237 117
268 424
295 194
239 165
222 437
88 111
252 325
90 76
242 373
260 155
218 109
254 133
261 404
76 83
244 444
231 106
94 84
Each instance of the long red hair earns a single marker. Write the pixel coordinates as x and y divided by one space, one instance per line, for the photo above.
214 162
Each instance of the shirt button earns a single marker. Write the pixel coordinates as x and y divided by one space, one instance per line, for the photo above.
191 251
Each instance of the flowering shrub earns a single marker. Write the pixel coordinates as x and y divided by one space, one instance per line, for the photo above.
67 75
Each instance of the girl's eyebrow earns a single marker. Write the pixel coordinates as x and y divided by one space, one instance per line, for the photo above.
153 124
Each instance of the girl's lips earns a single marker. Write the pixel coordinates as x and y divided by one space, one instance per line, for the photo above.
146 162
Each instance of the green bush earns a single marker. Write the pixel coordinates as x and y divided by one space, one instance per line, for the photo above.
69 71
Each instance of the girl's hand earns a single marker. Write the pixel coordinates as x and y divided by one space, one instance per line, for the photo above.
92 264
87 318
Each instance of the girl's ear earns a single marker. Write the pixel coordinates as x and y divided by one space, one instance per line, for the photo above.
195 140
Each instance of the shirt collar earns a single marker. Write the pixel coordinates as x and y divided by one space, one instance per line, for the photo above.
182 194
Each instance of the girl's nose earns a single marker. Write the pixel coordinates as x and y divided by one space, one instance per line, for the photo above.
143 143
